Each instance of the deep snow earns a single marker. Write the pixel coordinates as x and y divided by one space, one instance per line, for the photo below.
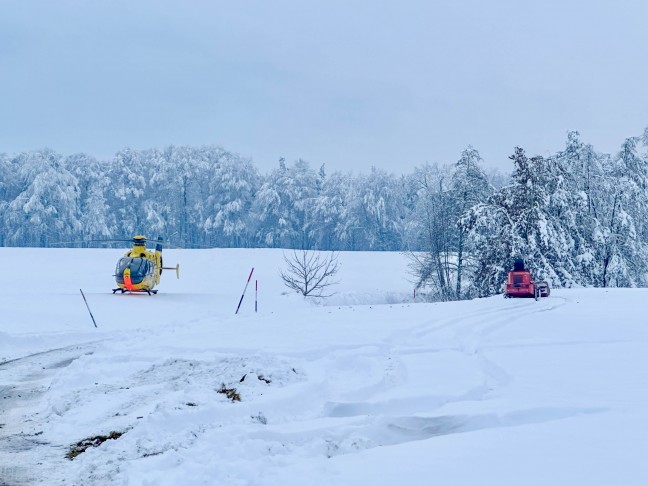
367 387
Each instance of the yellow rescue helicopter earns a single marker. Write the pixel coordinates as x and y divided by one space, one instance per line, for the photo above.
139 270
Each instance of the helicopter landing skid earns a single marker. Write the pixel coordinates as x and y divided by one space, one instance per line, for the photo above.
123 291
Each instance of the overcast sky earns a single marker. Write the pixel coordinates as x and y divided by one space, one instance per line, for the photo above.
345 83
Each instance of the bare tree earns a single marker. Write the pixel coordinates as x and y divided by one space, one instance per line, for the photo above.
310 273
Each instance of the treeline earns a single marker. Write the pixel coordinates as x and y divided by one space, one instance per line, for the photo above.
197 197
578 217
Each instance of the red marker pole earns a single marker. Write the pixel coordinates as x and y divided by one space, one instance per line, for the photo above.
256 294
243 295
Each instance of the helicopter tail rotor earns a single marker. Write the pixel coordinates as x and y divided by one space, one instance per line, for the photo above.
176 268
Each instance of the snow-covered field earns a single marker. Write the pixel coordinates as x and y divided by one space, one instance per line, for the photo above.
368 388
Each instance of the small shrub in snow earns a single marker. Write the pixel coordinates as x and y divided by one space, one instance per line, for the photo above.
310 273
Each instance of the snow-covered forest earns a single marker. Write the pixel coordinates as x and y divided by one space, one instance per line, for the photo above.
578 217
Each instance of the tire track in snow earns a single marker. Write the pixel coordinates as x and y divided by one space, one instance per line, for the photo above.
468 337
468 332
25 380
368 432
494 375
468 321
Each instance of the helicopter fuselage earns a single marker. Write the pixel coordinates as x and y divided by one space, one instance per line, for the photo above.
139 269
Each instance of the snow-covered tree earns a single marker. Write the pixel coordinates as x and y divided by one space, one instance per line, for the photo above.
469 186
129 180
526 220
622 223
589 183
95 217
374 218
46 210
329 208
232 184
180 182
9 189
433 229
283 205
443 195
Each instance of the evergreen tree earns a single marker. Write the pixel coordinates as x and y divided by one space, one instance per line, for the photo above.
622 238
587 174
469 186
526 220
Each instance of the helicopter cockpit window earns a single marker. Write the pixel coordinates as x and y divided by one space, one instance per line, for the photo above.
139 268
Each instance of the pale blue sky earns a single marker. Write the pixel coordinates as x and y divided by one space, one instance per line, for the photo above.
347 83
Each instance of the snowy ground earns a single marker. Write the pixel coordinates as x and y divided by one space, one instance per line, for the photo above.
370 388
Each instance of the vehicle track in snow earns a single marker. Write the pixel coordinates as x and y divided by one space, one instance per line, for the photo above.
25 380
374 414
371 421
464 334
484 320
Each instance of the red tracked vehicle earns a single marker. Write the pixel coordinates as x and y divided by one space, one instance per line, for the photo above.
520 283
